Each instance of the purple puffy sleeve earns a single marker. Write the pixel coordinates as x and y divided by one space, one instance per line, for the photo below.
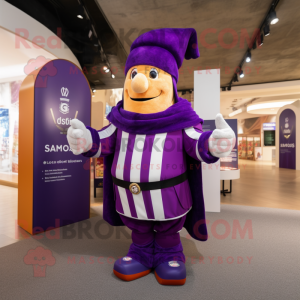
104 141
195 143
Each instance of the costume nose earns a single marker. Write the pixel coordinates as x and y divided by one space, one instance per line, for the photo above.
139 83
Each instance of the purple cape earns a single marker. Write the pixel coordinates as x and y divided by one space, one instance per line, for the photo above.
177 117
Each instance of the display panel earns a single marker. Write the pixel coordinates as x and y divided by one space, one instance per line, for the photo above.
269 138
54 184
4 140
269 126
287 139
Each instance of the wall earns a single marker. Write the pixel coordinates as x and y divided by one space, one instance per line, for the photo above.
207 90
254 127
267 153
12 19
100 99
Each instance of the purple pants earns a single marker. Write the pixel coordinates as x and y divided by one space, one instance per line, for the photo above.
155 242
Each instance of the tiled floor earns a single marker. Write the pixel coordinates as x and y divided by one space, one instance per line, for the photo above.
261 184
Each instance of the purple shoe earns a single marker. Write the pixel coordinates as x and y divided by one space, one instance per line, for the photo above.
171 273
128 269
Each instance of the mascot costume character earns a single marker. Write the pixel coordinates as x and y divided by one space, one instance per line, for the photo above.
153 149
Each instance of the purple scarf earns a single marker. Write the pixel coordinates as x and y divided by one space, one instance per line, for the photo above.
177 117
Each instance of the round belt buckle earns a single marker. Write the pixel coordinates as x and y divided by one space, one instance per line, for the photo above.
134 188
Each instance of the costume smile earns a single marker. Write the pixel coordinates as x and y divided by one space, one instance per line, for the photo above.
143 99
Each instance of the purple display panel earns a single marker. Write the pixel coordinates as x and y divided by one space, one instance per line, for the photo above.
287 139
61 183
230 162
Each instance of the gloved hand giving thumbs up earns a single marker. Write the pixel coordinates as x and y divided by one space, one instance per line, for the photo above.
79 137
223 138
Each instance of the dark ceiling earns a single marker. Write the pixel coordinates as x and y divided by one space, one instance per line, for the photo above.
92 51
117 23
277 60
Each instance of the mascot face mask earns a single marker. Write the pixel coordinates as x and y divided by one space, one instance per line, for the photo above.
147 90
152 68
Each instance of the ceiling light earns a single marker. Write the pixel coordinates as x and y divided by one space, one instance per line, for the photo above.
93 96
235 78
229 88
273 17
254 45
106 71
236 112
268 105
241 74
260 40
267 30
248 56
79 16
113 76
105 68
94 91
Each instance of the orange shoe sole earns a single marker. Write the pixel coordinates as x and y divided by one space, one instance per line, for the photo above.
170 281
133 276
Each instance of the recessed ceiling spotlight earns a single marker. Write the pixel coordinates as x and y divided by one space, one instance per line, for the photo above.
242 74
79 16
267 30
273 17
248 56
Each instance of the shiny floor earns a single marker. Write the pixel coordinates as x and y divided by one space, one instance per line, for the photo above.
9 179
261 184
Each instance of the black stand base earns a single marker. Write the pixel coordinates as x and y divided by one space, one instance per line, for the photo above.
223 191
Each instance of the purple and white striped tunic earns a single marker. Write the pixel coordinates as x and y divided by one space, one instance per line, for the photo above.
149 158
